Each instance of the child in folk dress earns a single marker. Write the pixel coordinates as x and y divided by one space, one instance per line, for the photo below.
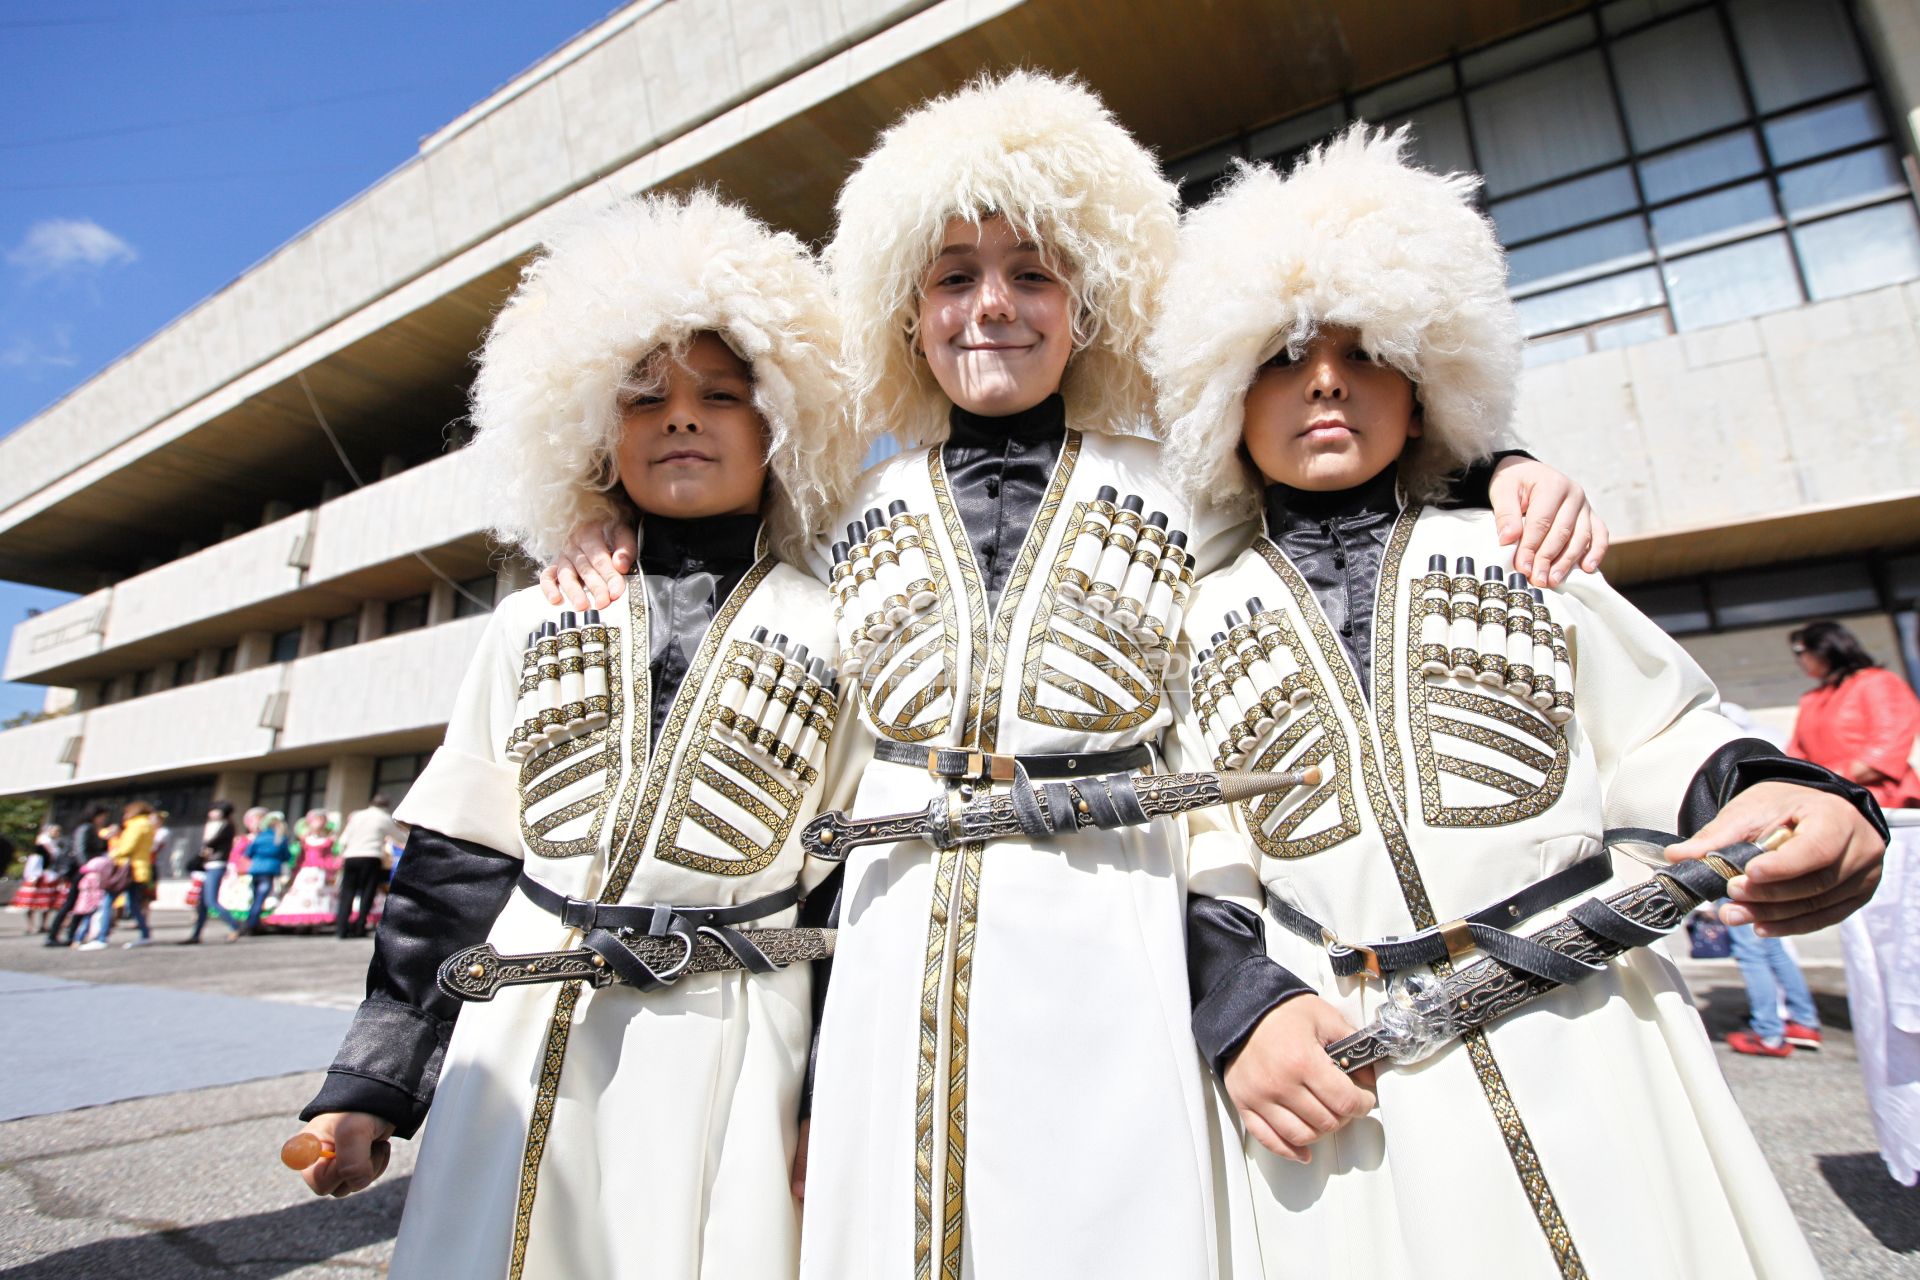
638 776
1329 348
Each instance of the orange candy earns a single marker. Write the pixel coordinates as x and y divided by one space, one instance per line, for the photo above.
304 1150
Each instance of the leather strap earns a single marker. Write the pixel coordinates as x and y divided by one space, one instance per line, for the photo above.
1110 802
960 764
1487 929
601 921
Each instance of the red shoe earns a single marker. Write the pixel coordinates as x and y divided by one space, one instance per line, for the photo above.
1747 1042
1800 1037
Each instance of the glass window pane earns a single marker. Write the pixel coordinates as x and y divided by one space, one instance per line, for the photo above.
1595 300
1570 203
1623 15
1833 184
1795 50
1862 250
1818 130
1408 91
286 646
1524 51
1703 164
474 596
1678 607
1289 136
1546 123
1696 223
342 632
1604 248
1677 80
1788 594
406 615
1624 333
1553 350
1439 137
1731 283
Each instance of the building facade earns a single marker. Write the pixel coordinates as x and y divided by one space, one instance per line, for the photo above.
1710 206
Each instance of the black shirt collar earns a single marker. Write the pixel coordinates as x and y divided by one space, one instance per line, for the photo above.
1289 508
712 543
1046 420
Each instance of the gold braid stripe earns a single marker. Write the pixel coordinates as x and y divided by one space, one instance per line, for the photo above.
1520 752
1537 727
932 977
953 1212
976 590
1485 775
1520 1149
1037 534
640 756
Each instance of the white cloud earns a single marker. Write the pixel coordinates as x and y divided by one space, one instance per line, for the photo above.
21 352
66 244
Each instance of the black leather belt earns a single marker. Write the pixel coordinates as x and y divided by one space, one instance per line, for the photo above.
960 764
601 921
1484 930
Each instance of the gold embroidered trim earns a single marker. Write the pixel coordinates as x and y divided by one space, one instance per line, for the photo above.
552 1058
932 983
1485 775
1507 713
541 776
1467 731
1526 1161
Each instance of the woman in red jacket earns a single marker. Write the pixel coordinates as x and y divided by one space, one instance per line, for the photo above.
1860 720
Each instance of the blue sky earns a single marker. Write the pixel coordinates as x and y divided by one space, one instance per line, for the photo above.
151 151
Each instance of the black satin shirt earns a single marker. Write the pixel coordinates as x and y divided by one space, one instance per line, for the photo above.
674 550
999 469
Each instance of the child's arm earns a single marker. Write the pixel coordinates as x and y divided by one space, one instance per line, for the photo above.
462 861
1259 1026
1669 760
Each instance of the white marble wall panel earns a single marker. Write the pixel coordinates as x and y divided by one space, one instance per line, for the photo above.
603 101
224 577
402 213
76 629
425 506
400 683
195 725
466 204
689 60
528 145
30 754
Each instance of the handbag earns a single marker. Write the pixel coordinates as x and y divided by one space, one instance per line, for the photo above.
118 879
1710 939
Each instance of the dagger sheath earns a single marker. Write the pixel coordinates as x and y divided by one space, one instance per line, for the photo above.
477 973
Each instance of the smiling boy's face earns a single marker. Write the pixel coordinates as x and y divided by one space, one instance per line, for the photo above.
995 324
1331 419
691 442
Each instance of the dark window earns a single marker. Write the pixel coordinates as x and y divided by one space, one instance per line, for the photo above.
225 663
109 692
291 791
1673 166
184 670
394 776
341 632
473 597
409 614
286 645
142 683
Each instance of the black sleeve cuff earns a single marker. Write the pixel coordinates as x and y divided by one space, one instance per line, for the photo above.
1745 762
1231 979
1473 488
388 1065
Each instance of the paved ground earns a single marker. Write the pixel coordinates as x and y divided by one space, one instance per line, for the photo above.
187 1184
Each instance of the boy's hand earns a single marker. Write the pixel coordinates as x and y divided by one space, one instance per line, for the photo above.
799 1177
1550 517
1826 872
590 573
360 1152
1287 1090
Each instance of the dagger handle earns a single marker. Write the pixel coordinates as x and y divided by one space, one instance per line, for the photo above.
477 973
833 834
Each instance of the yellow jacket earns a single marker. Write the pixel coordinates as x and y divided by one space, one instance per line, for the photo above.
134 846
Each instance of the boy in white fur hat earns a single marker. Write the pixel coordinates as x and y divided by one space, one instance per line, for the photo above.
1330 347
588 966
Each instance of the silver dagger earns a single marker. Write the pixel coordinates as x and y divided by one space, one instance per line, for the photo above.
1427 1012
950 820
478 973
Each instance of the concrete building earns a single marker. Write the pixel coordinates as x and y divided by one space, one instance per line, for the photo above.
1710 207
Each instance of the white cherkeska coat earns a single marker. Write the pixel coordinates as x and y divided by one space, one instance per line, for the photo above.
1007 1084
618 1133
1590 1134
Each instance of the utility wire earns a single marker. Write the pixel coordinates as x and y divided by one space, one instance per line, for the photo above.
158 126
353 473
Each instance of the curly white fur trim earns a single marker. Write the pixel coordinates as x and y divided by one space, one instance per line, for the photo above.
618 284
1046 154
1357 237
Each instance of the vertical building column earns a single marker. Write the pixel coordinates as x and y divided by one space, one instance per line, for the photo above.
349 783
235 786
1892 28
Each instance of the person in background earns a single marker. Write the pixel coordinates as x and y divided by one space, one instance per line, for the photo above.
1860 720
93 904
87 841
364 858
133 849
216 846
312 899
267 856
39 887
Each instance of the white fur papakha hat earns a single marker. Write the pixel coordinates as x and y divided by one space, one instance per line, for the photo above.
606 291
1356 237
1047 155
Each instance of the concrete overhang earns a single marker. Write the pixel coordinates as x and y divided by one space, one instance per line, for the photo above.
1809 533
1183 77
